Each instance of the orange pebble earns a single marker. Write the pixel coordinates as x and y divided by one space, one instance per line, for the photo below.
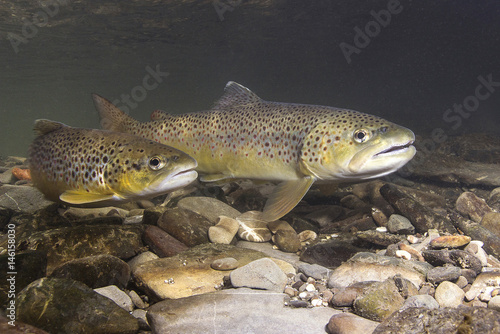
21 174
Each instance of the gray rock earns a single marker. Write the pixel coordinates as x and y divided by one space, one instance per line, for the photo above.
440 274
95 271
224 231
380 238
449 294
29 266
494 303
141 316
423 218
236 311
188 273
7 177
481 282
25 199
118 296
441 321
136 299
269 251
259 274
420 301
162 243
346 297
347 323
400 225
141 258
477 232
187 226
406 288
378 301
314 270
373 267
66 306
69 243
472 206
208 207
330 254
459 258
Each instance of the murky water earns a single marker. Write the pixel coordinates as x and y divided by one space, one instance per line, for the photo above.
406 61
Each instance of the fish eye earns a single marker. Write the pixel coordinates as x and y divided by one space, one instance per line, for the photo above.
361 135
156 163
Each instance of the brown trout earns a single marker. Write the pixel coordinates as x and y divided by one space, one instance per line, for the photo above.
243 136
81 166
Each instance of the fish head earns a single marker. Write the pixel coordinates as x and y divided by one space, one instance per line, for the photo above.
356 146
143 168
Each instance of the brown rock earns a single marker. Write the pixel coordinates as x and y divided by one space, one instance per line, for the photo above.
472 206
491 221
347 323
162 243
450 241
187 226
287 241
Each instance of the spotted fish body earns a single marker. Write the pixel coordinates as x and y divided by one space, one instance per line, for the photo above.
243 136
82 166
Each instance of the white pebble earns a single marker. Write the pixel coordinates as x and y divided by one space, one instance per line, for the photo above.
412 239
310 287
303 295
382 229
316 302
485 296
403 254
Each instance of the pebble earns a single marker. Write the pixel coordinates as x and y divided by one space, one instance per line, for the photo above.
491 221
494 303
227 263
403 254
461 282
455 257
224 231
162 243
450 241
137 300
379 238
187 226
449 294
259 274
440 274
307 236
379 217
208 207
118 296
420 301
346 297
400 225
140 315
475 247
140 259
253 229
378 301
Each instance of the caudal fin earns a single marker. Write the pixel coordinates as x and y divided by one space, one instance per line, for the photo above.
112 118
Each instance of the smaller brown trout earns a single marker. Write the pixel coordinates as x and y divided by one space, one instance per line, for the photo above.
82 166
243 136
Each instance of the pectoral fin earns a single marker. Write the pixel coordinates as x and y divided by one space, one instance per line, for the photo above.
83 197
285 197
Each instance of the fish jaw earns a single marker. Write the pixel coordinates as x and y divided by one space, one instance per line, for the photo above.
163 185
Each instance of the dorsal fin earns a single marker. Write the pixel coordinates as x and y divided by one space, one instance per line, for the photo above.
236 95
44 126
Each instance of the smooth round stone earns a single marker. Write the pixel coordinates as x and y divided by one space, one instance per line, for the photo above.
287 241
440 274
224 231
449 294
494 303
118 296
475 247
469 204
450 241
227 263
400 225
421 301
491 221
307 235
252 228
461 282
344 323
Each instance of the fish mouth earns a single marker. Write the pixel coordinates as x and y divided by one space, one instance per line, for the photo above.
395 150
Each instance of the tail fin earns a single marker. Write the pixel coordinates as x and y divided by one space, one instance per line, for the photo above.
112 118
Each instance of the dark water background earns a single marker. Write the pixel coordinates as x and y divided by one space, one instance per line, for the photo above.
425 60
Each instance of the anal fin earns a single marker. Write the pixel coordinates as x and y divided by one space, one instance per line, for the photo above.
83 197
285 197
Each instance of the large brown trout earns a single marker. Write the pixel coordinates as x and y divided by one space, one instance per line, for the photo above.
243 136
82 166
